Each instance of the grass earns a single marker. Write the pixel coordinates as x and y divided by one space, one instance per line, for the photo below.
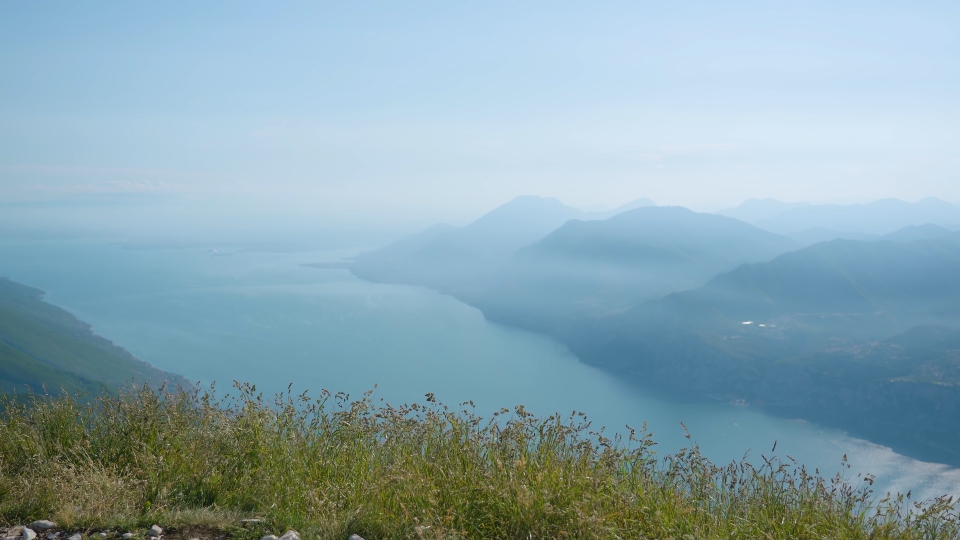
330 466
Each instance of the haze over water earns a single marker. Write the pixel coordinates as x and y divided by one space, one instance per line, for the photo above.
262 317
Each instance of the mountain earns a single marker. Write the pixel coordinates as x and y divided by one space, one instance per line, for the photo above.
446 257
518 223
834 331
454 258
879 217
688 235
854 333
815 235
424 258
642 202
834 293
43 346
515 270
912 233
753 210
585 268
909 233
903 391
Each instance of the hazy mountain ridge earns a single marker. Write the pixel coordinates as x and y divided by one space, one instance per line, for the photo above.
912 233
876 218
42 345
452 258
445 257
834 331
586 268
709 305
833 294
815 235
675 229
515 272
753 210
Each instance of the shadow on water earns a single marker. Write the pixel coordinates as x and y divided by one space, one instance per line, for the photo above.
906 445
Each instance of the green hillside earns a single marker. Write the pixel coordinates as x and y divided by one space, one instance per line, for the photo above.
42 345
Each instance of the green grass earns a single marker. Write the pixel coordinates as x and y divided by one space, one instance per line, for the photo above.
332 466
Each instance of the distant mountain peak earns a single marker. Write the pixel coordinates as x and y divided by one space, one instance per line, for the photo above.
878 217
753 210
540 215
912 233
531 199
642 202
935 201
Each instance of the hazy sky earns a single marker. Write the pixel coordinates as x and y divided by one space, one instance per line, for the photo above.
416 112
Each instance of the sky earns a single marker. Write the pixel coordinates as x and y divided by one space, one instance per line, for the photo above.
245 115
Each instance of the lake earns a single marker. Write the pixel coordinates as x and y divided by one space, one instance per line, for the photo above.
261 317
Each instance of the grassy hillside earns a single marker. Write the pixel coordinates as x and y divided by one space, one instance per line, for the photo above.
331 467
42 345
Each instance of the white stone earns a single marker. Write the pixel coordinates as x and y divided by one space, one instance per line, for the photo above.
127 535
154 531
269 537
52 535
42 525
290 535
75 536
355 537
28 534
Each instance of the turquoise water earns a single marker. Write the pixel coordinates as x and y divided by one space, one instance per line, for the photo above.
263 318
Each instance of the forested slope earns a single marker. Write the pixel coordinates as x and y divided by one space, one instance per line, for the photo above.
44 346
